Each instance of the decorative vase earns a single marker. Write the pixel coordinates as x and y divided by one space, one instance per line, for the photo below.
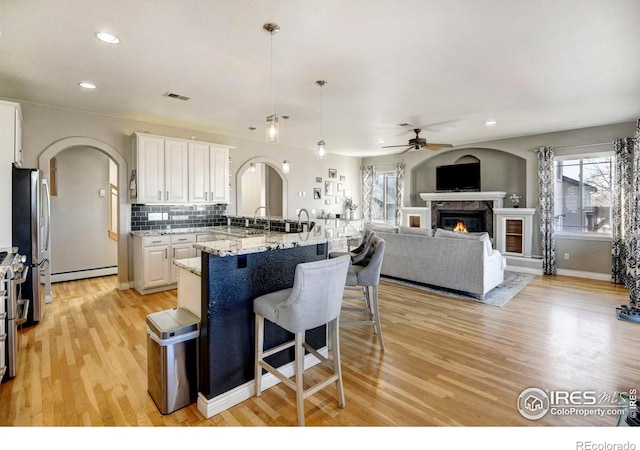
352 214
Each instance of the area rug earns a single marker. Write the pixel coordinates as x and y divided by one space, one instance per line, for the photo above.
513 283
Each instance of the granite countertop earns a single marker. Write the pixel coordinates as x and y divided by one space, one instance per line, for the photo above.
257 244
226 230
272 241
193 265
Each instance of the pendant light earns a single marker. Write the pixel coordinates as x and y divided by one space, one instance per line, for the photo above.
321 152
285 164
273 132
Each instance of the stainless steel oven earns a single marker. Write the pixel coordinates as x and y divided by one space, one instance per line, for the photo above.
13 310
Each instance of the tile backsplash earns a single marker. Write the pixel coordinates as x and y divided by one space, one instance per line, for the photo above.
161 217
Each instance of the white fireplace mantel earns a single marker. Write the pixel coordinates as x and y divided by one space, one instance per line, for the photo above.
496 197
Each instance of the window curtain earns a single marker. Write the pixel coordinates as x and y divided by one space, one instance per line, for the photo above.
546 187
633 257
399 192
622 180
367 192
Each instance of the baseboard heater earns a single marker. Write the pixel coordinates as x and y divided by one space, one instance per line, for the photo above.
83 274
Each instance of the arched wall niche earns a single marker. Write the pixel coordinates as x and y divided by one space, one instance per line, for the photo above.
499 171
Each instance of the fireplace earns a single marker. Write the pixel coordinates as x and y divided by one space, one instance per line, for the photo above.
474 221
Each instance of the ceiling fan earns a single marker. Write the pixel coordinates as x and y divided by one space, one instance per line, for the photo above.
419 143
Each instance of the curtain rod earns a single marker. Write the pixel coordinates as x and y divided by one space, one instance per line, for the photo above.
582 146
565 147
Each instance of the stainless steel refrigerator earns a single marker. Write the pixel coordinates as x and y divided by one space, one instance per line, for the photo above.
31 229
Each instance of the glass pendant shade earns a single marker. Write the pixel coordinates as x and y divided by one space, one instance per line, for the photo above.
252 168
321 151
285 166
273 128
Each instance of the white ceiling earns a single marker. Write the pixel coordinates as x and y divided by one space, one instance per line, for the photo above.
444 65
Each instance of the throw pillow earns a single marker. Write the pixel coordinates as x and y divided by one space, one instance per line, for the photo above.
483 236
414 230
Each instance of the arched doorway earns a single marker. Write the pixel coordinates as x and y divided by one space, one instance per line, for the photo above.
124 212
258 192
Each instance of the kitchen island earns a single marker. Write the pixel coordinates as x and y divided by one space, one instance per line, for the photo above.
233 272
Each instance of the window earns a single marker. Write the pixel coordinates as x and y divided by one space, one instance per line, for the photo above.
384 198
583 194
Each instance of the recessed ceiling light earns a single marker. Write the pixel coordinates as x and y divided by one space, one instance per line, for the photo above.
490 123
107 37
87 85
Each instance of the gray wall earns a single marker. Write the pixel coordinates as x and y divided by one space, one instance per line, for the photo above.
573 142
79 216
44 126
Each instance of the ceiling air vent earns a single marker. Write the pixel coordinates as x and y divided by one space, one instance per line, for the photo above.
176 96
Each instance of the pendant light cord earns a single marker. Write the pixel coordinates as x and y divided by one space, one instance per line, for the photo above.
271 56
321 115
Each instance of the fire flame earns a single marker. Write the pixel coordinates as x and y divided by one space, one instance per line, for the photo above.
460 227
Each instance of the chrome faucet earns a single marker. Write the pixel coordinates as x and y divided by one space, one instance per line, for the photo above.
268 227
308 221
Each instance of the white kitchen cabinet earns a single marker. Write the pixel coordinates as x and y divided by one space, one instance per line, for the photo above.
219 178
199 172
208 173
10 152
181 248
161 169
153 256
176 158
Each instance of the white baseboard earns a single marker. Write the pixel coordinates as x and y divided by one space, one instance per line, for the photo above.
583 274
211 407
82 274
123 286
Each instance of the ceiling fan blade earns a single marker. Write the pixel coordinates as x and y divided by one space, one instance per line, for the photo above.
392 146
407 150
431 146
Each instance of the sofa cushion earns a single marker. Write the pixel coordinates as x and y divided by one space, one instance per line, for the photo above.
414 230
382 227
483 236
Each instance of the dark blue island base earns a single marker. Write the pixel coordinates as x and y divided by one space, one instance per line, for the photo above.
229 286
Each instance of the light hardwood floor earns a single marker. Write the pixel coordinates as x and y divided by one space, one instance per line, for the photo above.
448 362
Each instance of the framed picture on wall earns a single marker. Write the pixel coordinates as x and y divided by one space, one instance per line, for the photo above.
339 187
337 199
343 178
327 201
317 193
333 173
328 188
318 179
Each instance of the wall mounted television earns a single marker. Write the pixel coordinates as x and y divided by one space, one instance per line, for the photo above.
458 178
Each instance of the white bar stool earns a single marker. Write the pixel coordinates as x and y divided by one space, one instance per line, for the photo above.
314 300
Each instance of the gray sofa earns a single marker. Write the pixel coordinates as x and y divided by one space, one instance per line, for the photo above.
458 261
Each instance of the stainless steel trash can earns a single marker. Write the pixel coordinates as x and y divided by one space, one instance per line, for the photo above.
172 358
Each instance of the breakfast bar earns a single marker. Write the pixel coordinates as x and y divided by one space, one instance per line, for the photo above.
232 273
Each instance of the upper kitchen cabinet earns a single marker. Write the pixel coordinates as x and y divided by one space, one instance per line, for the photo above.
171 170
162 169
208 173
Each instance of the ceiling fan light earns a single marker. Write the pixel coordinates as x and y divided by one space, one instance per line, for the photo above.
273 128
321 152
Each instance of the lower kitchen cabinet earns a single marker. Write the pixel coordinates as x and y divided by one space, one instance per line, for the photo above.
153 256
